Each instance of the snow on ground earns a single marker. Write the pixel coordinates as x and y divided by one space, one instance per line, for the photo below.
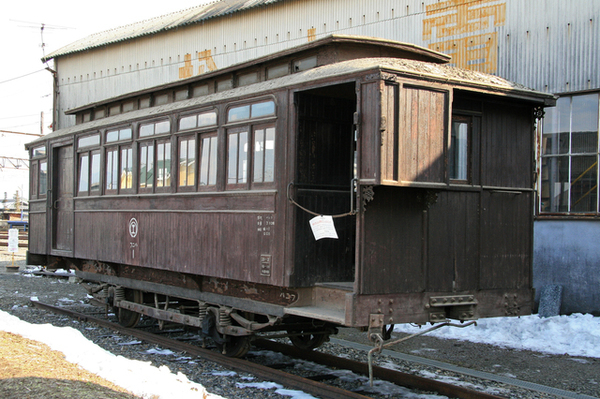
575 335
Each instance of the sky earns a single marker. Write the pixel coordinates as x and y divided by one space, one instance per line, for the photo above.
25 85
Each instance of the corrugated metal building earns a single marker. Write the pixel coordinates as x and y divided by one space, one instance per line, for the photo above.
548 45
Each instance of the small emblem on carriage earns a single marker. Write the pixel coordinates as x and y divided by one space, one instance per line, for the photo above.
133 227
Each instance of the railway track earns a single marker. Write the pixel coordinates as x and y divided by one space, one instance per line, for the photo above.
315 388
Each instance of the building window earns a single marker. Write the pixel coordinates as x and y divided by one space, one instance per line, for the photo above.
458 155
569 182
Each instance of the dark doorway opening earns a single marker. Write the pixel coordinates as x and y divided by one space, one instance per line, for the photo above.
325 169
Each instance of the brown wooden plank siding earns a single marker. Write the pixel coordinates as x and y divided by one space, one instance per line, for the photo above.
421 129
506 152
37 227
507 239
369 139
225 244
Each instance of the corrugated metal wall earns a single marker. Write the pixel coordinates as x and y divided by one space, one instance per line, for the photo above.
549 45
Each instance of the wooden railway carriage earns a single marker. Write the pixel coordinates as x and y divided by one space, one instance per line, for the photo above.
191 202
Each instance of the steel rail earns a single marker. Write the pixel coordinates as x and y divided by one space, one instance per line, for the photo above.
396 377
314 388
289 380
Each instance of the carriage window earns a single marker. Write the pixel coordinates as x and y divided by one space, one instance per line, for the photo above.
155 165
146 165
39 152
151 129
43 178
237 164
89 173
118 135
264 151
187 162
304 64
163 164
89 141
458 162
238 113
119 169
257 110
126 170
208 161
112 166
198 120
277 71
258 142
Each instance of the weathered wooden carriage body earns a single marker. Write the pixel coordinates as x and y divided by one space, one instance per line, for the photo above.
429 168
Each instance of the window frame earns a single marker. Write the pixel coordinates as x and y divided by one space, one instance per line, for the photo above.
212 162
468 153
549 203
154 142
189 138
89 154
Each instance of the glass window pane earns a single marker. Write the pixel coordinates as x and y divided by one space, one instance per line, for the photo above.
167 165
84 173
112 169
458 161
232 159
584 183
270 155
183 163
39 151
304 64
243 157
89 141
112 135
162 127
207 119
555 184
263 109
188 122
212 167
125 134
204 161
556 127
277 71
238 113
95 173
147 166
126 168
43 183
147 130
584 124
259 154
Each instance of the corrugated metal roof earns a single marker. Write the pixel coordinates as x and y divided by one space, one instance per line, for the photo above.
425 70
163 23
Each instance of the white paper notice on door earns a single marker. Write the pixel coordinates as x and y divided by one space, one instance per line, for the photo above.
323 227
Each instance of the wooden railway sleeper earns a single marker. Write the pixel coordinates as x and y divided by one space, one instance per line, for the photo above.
379 341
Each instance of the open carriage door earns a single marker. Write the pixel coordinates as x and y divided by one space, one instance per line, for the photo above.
62 201
324 185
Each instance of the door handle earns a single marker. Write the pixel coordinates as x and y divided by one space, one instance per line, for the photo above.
55 205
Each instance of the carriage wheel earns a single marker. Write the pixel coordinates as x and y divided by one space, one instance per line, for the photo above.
234 346
129 318
308 340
